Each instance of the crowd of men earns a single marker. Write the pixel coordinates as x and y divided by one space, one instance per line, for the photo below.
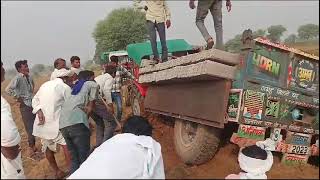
58 113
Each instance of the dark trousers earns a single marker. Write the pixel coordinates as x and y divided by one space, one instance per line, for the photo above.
104 128
160 27
28 120
215 7
116 97
77 138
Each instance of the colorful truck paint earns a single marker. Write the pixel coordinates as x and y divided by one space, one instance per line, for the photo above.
280 88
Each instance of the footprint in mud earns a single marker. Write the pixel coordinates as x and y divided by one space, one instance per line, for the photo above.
38 156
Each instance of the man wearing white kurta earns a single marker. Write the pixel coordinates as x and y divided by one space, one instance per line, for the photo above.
47 105
58 64
11 163
131 155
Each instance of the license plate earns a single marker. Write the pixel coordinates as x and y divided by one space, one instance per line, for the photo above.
296 149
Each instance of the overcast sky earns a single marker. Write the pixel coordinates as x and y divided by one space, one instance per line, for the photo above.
44 31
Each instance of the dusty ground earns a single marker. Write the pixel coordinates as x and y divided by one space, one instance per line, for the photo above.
224 162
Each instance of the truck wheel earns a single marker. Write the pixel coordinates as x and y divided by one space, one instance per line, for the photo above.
195 143
137 102
125 95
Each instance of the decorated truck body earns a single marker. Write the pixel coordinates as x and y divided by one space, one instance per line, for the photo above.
268 90
276 95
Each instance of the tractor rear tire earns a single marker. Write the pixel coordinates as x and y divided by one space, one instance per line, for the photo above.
137 104
195 143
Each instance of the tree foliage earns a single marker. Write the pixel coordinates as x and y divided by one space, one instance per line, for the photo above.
275 32
292 38
234 45
40 69
121 27
308 32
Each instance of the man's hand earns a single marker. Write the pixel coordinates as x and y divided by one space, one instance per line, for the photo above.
110 108
191 4
168 23
41 117
20 100
228 4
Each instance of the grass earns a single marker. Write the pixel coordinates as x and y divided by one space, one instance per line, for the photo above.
311 47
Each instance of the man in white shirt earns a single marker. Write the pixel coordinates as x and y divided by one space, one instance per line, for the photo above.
101 115
75 64
11 163
47 105
58 64
134 154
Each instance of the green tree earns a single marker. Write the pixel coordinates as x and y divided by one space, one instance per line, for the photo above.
308 32
292 38
234 45
275 32
259 33
121 27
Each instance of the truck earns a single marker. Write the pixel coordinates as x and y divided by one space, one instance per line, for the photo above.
268 91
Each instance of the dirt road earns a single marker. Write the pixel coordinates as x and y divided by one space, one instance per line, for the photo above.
224 162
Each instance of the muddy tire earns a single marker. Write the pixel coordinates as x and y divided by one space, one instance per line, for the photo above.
137 102
125 95
195 143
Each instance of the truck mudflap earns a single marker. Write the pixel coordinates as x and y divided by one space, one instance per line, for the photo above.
296 147
289 119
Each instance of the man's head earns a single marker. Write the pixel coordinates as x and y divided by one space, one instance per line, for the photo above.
75 61
86 75
59 63
22 67
114 60
137 125
255 151
253 159
66 75
2 72
111 70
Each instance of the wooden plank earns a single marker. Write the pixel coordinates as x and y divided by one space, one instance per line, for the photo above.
203 69
211 55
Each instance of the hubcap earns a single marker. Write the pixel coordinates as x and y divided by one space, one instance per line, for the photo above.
136 107
188 132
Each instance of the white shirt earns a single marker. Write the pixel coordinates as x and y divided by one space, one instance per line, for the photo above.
124 156
49 99
105 82
53 74
76 70
158 11
9 137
